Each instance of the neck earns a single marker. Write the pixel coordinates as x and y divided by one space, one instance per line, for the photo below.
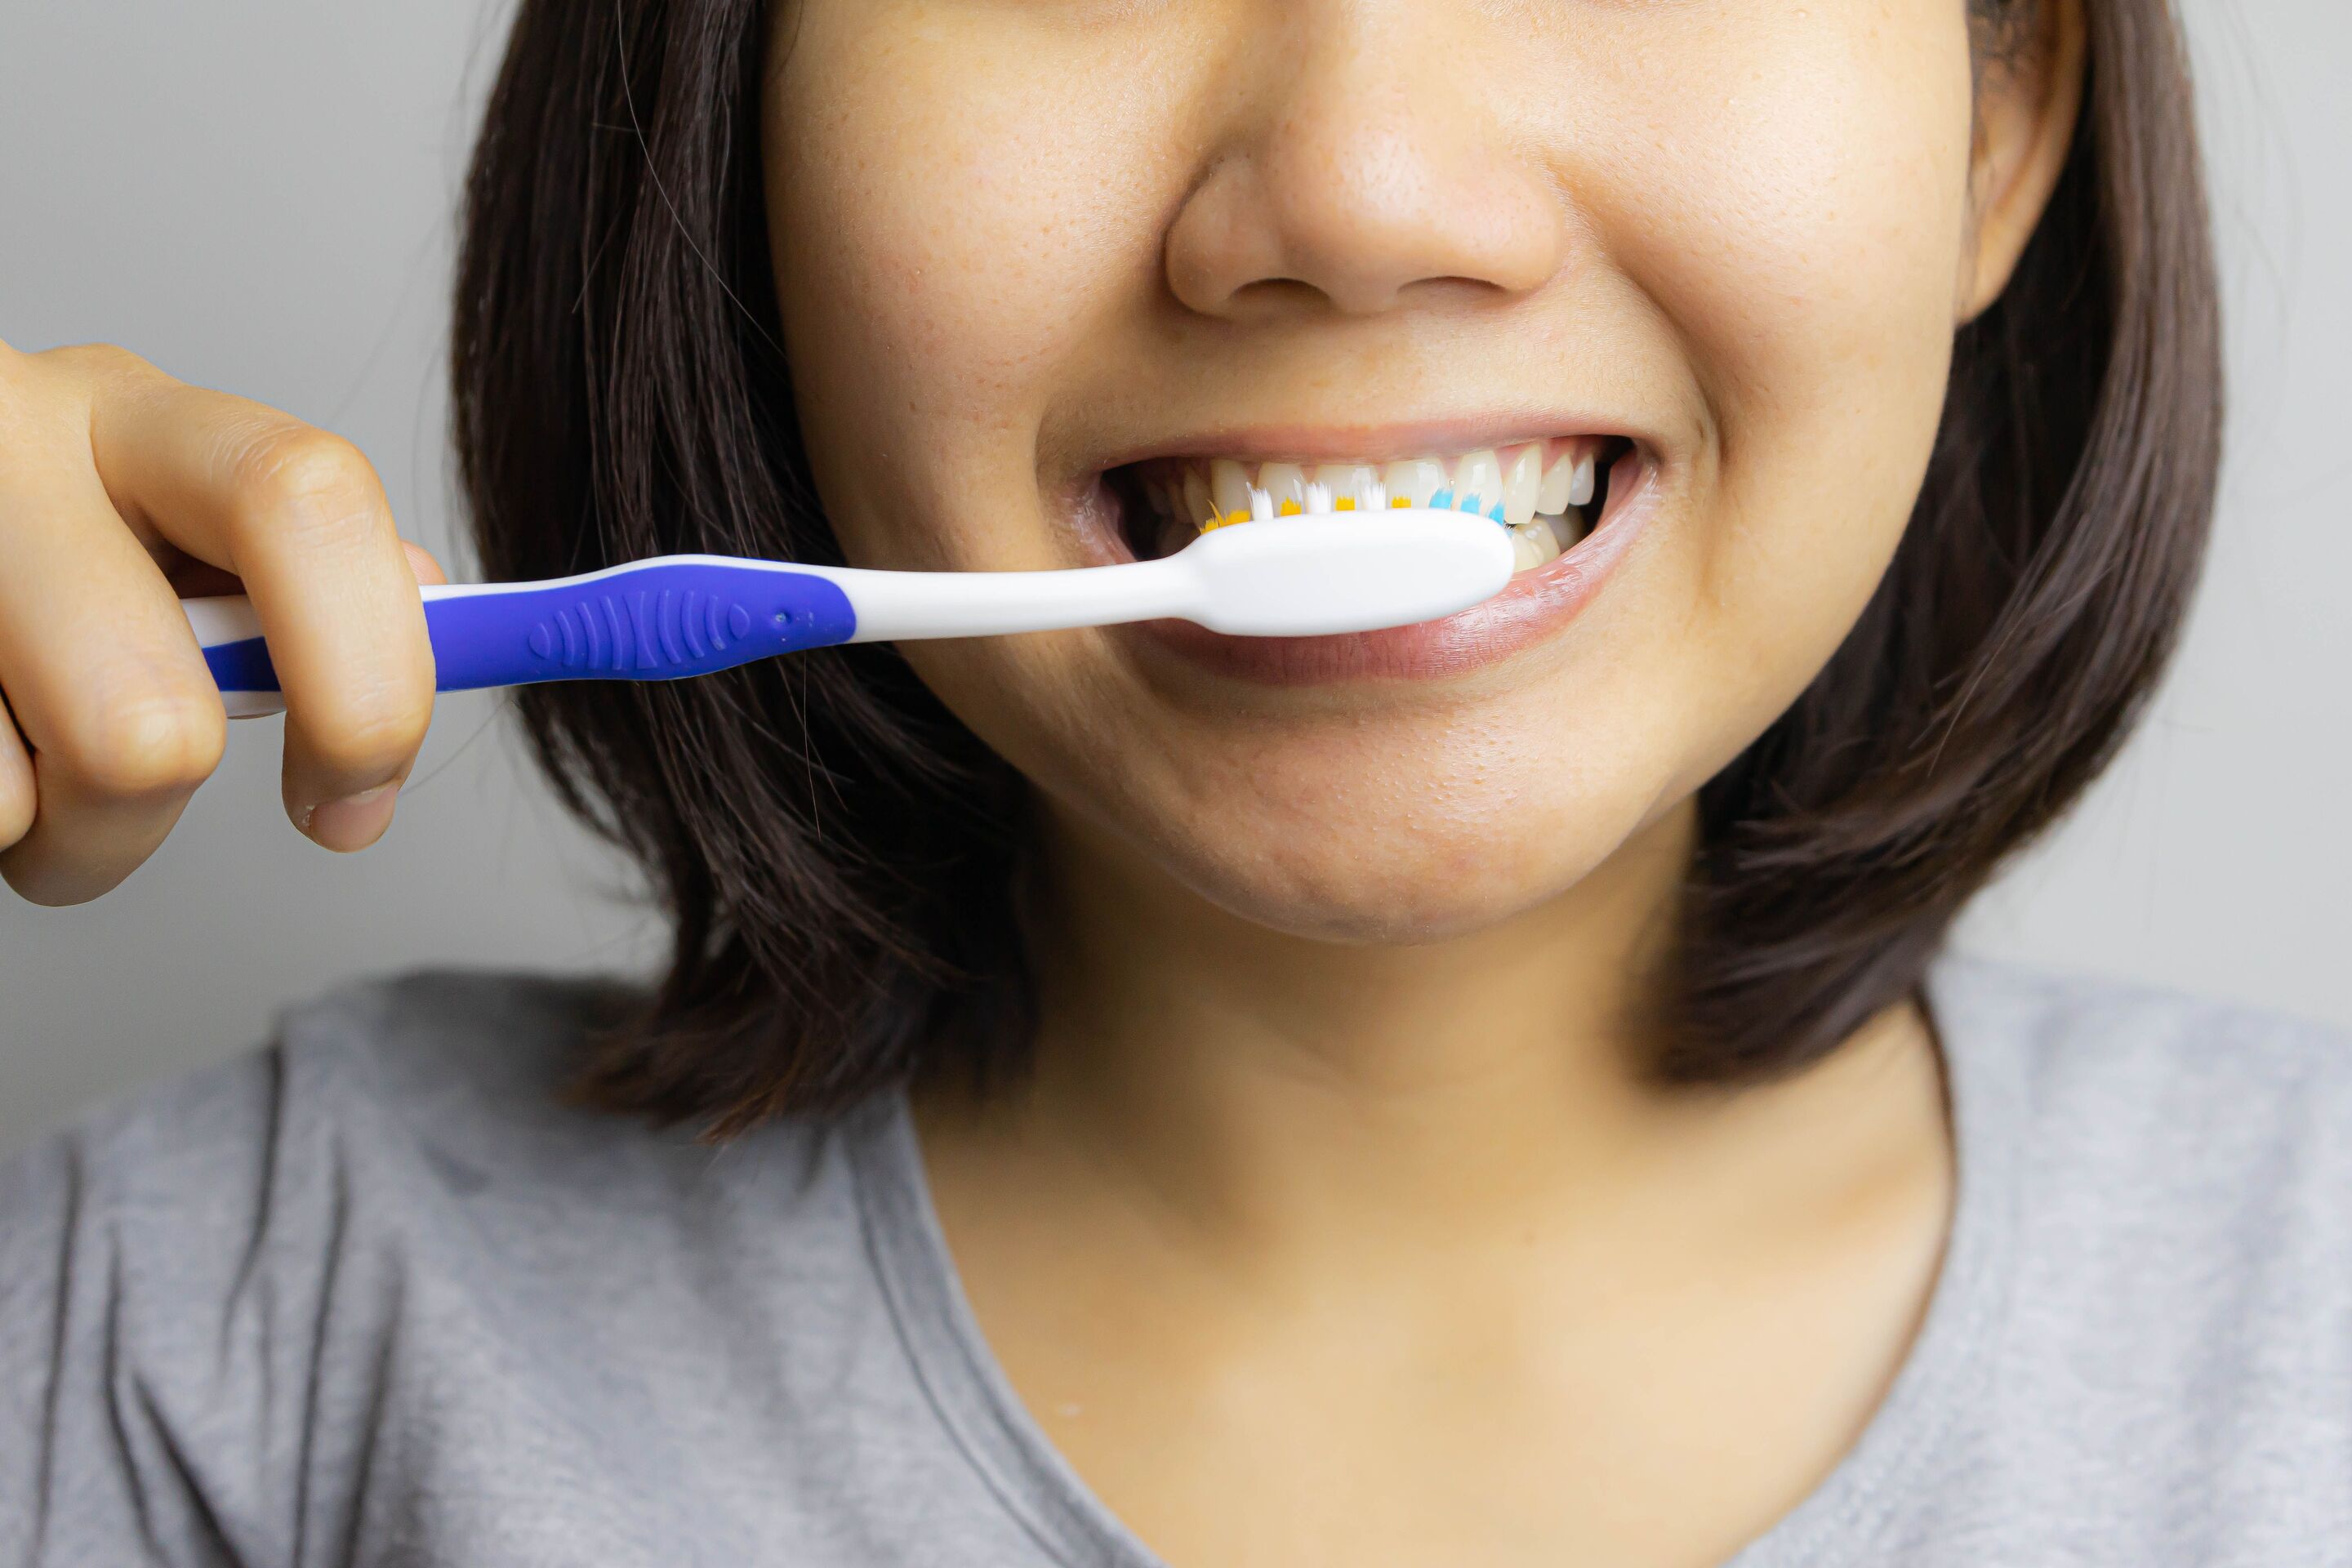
1279 1096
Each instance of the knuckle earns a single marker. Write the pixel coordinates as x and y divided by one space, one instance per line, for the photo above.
45 398
153 744
89 362
300 480
27 393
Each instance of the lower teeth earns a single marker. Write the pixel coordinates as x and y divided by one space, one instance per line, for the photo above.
1545 540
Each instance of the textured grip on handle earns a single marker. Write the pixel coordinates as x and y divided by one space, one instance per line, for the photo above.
654 620
660 620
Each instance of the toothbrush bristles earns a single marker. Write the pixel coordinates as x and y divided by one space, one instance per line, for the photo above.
1366 494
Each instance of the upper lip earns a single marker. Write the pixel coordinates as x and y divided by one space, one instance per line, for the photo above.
1374 443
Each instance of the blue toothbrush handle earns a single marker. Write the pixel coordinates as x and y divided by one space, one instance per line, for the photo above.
653 620
688 615
661 619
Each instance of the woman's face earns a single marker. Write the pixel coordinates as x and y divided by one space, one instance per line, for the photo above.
1058 277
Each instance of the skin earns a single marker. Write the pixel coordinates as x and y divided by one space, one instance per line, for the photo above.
1338 1222
122 490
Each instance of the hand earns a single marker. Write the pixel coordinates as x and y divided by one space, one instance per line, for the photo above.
122 490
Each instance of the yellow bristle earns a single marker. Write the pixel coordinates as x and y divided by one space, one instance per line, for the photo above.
1238 516
1345 503
1400 503
1290 508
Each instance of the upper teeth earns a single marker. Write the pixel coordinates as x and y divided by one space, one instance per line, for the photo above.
1535 485
1537 479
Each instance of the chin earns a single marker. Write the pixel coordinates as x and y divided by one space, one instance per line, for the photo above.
1449 869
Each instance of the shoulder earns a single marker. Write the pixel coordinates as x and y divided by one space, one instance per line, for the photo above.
2177 1184
2120 1071
459 1059
2149 1288
395 1219
413 1116
473 1059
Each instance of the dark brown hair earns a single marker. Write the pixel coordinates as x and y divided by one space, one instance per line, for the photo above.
837 853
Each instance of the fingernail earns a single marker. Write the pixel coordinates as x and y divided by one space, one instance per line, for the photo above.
354 822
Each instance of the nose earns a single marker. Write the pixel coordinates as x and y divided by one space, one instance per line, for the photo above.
1360 173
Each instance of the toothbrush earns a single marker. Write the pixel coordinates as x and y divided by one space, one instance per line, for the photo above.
677 615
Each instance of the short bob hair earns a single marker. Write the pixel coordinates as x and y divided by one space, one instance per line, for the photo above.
838 855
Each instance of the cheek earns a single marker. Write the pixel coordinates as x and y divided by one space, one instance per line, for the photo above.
966 215
1790 195
954 221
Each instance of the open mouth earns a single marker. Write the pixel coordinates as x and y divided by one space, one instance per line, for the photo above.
1549 494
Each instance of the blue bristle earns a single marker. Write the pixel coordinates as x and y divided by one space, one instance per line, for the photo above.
1469 503
1496 514
1442 501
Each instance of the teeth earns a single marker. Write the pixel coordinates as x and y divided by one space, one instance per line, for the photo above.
1533 489
1416 481
1521 480
1229 487
1480 477
1580 490
1552 495
1531 546
1286 483
1198 506
1339 479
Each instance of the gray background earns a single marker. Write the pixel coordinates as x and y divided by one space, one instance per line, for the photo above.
256 195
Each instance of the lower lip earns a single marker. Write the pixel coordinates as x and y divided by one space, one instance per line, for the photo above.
1532 606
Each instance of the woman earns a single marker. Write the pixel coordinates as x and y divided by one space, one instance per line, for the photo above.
1481 1094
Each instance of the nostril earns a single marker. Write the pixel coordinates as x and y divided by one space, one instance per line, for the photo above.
1279 293
1273 297
1362 201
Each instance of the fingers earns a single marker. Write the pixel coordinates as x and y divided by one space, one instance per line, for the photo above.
116 482
115 719
421 564
17 794
299 516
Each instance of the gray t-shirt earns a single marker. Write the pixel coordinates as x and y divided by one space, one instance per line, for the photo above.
377 1295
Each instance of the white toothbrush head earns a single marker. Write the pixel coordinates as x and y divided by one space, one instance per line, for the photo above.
1356 572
